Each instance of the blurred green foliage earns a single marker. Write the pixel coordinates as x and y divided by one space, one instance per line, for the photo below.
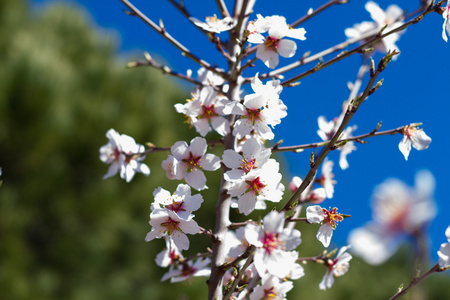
64 232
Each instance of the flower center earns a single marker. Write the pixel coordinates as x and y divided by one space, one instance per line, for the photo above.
208 112
271 43
271 242
248 164
171 226
193 162
253 115
270 294
332 217
176 206
255 185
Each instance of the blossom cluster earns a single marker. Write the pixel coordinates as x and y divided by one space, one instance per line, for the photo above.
260 259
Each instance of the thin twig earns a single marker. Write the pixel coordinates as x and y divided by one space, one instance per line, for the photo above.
416 280
349 114
162 31
165 69
223 8
317 11
378 37
358 138
239 276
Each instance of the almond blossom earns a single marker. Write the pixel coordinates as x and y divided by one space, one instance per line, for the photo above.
271 288
169 256
181 202
328 218
326 180
273 45
253 157
257 185
205 110
446 25
188 162
336 267
259 110
188 270
168 223
398 211
213 24
415 137
392 18
347 148
444 251
273 243
123 154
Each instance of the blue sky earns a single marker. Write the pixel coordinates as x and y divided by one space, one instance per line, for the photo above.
415 89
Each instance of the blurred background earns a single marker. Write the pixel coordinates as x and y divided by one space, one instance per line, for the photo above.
67 234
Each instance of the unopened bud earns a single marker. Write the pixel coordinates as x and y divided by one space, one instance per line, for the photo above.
132 64
377 85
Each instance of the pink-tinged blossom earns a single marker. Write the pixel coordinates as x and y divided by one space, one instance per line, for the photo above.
205 111
188 162
398 211
181 202
392 17
415 137
446 25
271 288
123 155
169 256
326 128
444 251
252 158
329 219
273 244
315 196
167 223
213 24
347 148
257 185
326 180
207 77
273 45
259 110
189 270
336 268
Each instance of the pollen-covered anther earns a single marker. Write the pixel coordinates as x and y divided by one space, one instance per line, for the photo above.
171 226
332 217
253 115
255 185
271 43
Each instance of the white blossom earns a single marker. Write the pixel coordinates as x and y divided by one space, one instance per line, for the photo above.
444 251
188 270
205 111
181 202
167 223
188 162
347 148
273 45
446 25
253 156
123 155
415 137
262 184
326 180
213 24
398 212
336 268
392 17
271 288
328 219
259 110
273 243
